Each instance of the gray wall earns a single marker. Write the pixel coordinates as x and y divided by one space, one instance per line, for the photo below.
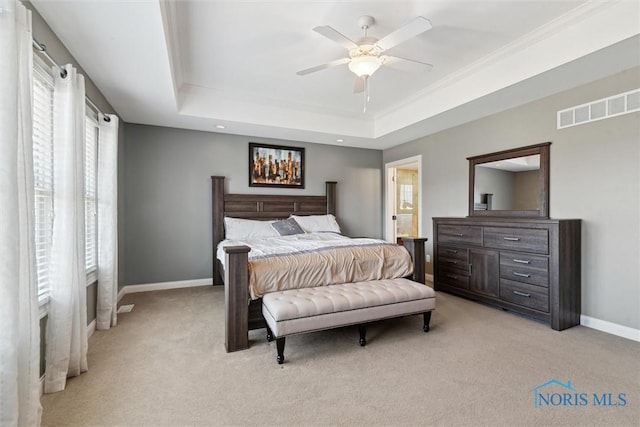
511 190
594 176
167 218
498 182
527 191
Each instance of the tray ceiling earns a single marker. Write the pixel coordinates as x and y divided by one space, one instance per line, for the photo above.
201 64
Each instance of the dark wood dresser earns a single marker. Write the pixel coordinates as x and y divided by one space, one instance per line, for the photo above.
529 266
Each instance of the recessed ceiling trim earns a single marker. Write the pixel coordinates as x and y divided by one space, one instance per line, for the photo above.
173 43
205 102
153 42
543 49
523 59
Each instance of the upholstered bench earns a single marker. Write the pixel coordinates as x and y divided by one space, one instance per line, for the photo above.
303 310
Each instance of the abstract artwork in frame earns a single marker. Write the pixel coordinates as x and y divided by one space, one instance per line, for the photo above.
276 166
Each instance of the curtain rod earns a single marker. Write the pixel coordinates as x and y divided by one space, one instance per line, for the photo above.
63 73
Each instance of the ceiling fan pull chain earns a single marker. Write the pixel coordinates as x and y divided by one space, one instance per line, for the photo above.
366 93
364 104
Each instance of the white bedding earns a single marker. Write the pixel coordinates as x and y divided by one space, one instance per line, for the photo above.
315 259
262 247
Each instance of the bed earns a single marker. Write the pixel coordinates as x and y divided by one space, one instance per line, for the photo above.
243 306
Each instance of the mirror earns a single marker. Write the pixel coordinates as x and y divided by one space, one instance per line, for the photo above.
510 183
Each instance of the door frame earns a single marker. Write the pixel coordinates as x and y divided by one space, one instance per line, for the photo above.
390 194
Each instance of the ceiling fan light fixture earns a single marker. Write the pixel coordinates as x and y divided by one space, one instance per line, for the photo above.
367 54
364 65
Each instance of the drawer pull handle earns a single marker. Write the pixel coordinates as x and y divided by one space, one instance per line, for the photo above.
522 294
450 276
515 273
512 239
458 234
452 251
452 262
522 261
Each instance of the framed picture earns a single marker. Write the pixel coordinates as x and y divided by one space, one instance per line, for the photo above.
275 166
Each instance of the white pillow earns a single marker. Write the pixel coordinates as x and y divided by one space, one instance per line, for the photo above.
317 223
238 228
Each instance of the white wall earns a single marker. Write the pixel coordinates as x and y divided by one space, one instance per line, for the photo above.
594 176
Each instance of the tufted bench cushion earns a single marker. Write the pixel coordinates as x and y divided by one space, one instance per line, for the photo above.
312 309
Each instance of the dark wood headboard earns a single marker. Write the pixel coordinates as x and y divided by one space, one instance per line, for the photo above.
262 207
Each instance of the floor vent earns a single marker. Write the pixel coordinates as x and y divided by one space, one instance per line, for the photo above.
125 308
605 108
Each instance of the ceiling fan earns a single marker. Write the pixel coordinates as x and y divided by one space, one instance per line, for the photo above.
366 54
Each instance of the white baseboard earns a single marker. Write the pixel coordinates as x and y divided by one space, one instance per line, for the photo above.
611 328
148 287
429 277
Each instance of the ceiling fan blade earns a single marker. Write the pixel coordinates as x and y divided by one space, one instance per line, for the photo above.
358 85
323 66
417 26
407 64
337 37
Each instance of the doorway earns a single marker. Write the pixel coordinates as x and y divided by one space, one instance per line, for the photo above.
403 196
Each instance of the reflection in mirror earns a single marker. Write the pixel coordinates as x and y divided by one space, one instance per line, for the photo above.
508 184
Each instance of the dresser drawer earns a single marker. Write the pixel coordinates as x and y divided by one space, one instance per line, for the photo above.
524 268
531 296
460 234
517 239
453 253
453 276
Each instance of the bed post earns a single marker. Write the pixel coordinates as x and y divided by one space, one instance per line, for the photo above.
217 225
415 246
236 298
331 197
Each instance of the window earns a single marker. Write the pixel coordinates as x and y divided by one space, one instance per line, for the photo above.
90 199
43 172
406 196
43 180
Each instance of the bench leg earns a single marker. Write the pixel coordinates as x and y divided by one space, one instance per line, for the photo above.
269 334
362 329
427 319
280 346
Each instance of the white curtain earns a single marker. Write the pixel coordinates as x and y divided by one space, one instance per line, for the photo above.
66 345
19 331
107 222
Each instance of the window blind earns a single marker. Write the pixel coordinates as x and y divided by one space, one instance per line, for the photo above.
90 170
43 173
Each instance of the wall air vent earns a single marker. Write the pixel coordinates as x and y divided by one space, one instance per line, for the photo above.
612 106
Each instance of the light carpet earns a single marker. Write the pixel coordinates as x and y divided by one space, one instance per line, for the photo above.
165 365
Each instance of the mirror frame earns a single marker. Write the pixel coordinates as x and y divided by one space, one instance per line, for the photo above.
543 180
